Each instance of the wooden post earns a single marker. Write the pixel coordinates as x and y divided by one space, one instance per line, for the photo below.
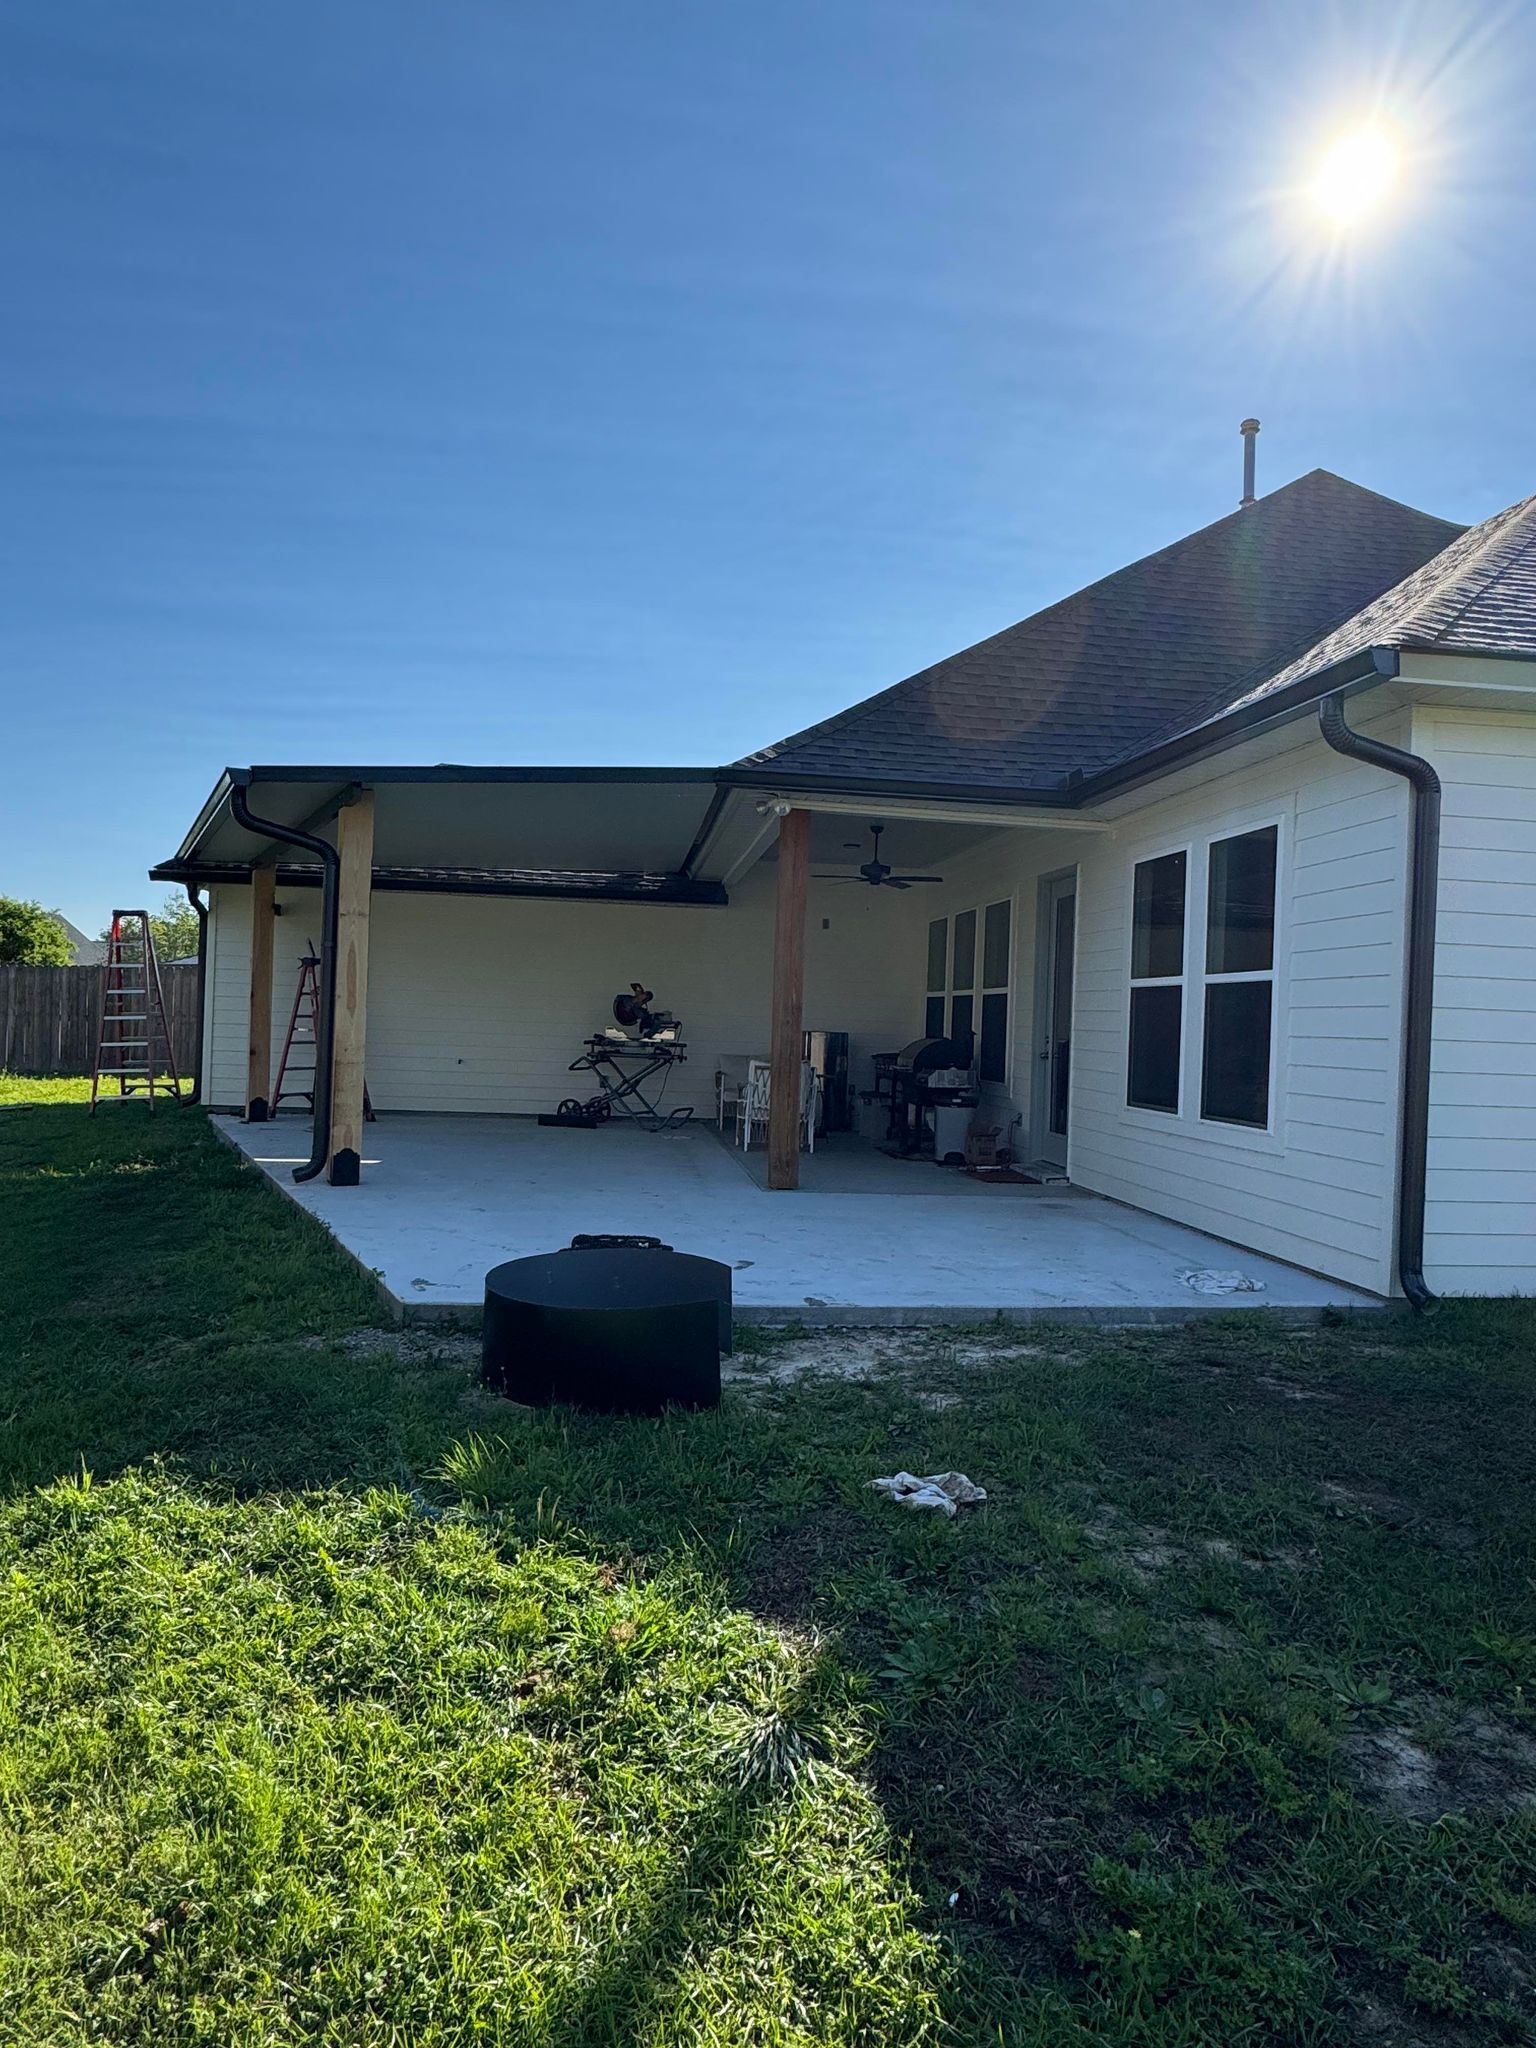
258 1060
785 1050
354 842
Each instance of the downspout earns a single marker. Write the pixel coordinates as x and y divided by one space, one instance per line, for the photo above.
1423 891
195 898
330 859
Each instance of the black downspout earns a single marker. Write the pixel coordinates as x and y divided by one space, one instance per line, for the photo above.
330 859
195 898
1423 892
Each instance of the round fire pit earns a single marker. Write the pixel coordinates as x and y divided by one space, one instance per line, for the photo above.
626 1325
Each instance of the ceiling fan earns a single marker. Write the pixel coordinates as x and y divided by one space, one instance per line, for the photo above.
877 872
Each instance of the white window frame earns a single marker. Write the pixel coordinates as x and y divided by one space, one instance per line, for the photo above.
942 994
1158 1119
984 988
1264 1136
1192 979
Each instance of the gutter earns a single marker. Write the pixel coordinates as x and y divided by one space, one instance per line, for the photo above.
194 897
290 835
1418 1023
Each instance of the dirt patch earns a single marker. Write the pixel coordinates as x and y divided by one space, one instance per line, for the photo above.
414 1345
1372 1504
1477 1764
869 1354
1147 1551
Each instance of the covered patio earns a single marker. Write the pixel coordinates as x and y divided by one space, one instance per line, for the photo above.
868 1239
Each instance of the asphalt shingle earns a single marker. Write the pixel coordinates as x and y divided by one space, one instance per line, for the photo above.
1136 656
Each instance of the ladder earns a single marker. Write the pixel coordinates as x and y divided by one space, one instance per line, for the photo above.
301 1038
133 1039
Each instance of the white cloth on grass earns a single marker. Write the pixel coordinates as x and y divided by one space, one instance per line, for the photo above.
946 1491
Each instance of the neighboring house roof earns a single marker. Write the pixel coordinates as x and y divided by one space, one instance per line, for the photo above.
1163 644
88 952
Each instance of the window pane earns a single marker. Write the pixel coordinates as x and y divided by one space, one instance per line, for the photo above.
994 1038
1157 928
938 952
1240 926
965 950
933 1017
960 1015
994 945
1235 1086
1152 1079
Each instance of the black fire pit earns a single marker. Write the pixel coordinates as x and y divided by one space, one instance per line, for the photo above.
623 1324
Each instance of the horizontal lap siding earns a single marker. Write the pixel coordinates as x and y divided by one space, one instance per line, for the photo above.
480 1004
1480 1213
1321 1190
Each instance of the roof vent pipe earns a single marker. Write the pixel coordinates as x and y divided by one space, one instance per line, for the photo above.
1250 433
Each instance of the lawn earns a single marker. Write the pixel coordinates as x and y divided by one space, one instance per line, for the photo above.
341 1703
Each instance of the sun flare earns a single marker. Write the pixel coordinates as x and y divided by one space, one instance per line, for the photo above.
1356 175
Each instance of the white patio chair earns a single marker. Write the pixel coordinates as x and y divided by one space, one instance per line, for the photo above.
752 1108
730 1084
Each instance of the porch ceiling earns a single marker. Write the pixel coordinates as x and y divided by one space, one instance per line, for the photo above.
579 820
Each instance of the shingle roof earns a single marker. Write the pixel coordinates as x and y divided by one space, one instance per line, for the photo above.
1136 656
1477 596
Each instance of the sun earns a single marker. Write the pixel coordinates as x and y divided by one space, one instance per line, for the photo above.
1356 175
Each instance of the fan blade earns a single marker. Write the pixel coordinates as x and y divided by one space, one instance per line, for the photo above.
892 882
838 878
904 879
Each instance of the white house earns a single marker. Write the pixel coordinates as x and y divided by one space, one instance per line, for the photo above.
1238 898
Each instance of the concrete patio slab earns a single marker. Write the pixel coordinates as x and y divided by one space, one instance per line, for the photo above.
445 1198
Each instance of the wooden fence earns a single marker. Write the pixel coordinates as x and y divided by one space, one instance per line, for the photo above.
48 1018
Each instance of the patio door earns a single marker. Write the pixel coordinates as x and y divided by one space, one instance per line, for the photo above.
1055 952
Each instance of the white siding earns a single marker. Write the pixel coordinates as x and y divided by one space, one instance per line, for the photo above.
479 1004
1319 1188
1480 1216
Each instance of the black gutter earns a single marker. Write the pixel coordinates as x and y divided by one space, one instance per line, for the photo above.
194 898
1366 665
1418 1027
289 835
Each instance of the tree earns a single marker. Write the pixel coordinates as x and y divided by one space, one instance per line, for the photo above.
31 936
173 927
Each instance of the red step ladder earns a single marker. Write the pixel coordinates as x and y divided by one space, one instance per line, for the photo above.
133 1037
301 1038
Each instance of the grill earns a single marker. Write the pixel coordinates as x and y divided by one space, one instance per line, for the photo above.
928 1074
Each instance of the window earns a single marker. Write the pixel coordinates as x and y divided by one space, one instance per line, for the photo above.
955 995
938 977
1157 983
962 1004
996 956
1239 979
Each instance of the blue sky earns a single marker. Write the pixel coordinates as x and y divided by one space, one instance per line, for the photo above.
521 382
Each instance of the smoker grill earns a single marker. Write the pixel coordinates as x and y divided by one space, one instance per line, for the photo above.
930 1073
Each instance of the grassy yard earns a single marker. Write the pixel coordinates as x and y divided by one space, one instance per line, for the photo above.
340 1703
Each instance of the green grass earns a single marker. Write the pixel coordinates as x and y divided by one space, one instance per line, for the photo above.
24 1089
341 1703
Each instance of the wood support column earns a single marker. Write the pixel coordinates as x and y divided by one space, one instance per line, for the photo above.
785 1050
258 1057
354 842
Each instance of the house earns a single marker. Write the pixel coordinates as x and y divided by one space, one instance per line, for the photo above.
1238 898
86 952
